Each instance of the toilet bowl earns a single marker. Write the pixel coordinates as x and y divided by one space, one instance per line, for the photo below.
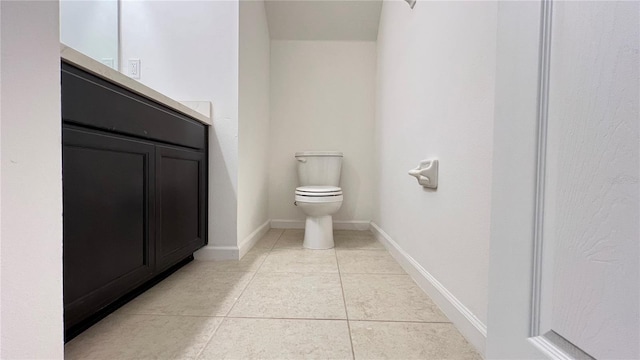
318 203
319 195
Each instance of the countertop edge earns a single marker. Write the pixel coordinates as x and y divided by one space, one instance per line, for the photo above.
76 58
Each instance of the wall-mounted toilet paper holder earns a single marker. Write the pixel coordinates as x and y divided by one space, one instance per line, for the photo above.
426 173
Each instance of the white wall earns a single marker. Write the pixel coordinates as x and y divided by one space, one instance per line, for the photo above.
1 337
91 27
323 98
189 51
344 20
253 119
436 69
31 155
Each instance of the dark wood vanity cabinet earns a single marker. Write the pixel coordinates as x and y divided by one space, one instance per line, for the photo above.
134 191
108 223
181 211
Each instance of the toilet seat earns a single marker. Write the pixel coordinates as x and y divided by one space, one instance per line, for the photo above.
318 194
318 199
318 191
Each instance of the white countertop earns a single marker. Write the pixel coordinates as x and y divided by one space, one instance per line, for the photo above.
97 68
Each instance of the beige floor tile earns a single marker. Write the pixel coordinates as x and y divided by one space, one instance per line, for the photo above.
269 239
291 239
279 339
196 269
361 233
292 295
143 337
251 261
300 261
344 239
387 297
358 240
367 262
196 293
397 340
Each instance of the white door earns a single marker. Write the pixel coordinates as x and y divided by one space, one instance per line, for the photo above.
565 275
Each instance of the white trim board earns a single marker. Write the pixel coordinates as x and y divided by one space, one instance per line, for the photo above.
474 330
217 253
247 243
337 225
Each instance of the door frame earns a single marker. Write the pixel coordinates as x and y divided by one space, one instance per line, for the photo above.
517 254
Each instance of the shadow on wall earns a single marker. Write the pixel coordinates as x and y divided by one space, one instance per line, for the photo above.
350 193
292 171
223 202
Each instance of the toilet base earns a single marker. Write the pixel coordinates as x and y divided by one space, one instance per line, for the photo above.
318 232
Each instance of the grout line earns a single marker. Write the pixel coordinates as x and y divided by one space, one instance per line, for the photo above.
376 274
224 317
170 315
253 277
400 321
328 319
301 272
352 249
243 290
278 239
344 301
320 273
297 318
284 318
210 338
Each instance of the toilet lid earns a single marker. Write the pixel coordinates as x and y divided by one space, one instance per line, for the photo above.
318 190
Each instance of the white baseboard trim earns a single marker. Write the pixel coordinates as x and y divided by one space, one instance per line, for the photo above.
352 225
247 243
287 224
217 253
474 330
337 225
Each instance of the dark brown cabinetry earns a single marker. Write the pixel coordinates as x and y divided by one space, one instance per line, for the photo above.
109 229
181 213
134 191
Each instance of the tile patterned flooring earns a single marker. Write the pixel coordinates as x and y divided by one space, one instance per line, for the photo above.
281 302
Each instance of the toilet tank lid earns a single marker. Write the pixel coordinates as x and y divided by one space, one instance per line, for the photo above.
319 153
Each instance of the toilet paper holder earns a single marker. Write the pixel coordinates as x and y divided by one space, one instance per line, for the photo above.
426 173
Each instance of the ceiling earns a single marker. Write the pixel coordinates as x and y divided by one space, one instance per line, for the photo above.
355 20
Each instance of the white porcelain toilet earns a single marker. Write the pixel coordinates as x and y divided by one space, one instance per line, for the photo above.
319 195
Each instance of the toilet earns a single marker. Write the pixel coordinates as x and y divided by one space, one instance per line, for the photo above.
319 195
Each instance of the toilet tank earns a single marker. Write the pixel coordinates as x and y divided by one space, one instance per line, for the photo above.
319 168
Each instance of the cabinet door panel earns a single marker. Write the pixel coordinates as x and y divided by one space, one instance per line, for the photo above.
181 207
108 219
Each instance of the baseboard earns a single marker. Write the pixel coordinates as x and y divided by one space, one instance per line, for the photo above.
217 253
287 224
337 225
352 225
474 330
247 243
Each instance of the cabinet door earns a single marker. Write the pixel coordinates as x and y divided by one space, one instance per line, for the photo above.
109 227
181 199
